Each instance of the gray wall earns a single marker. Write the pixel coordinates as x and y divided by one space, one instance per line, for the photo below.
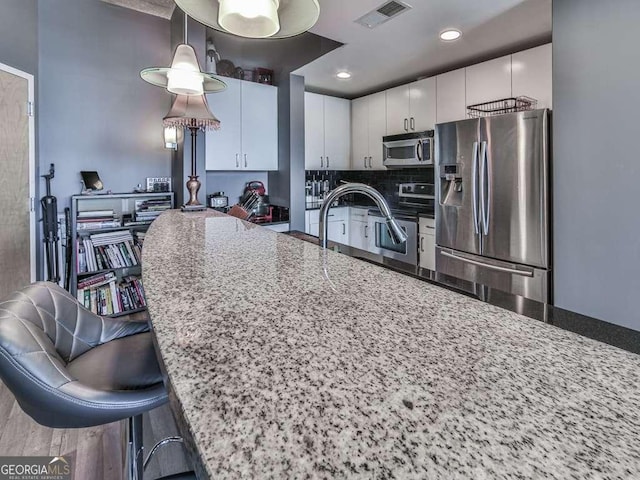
596 81
95 113
19 34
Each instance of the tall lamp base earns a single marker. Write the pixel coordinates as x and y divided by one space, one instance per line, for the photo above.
193 205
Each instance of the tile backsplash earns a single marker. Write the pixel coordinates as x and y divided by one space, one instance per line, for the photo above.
385 181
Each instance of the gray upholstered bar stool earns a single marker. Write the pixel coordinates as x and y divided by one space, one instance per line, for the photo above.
69 368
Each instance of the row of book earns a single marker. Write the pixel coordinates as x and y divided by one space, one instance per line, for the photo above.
148 210
97 219
101 251
104 295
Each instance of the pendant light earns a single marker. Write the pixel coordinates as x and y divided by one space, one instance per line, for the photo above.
184 77
254 18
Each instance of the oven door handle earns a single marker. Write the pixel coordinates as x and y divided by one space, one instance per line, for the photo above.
524 273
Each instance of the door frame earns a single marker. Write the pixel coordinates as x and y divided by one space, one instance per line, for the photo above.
32 163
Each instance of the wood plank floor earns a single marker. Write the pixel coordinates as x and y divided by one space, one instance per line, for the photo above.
96 452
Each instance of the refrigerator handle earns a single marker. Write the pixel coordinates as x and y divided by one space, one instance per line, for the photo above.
513 271
486 196
474 185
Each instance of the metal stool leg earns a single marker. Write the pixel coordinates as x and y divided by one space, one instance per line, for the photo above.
134 448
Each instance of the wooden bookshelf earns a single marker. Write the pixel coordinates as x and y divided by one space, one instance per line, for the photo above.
104 247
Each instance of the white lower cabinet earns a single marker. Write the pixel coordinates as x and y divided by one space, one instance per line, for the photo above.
358 228
427 243
337 224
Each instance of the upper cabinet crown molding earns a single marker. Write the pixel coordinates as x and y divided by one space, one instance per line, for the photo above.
248 137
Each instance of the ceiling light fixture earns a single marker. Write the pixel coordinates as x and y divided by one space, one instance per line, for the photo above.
450 34
343 75
254 18
184 77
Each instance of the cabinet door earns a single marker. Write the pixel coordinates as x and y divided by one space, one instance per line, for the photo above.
313 131
422 105
335 231
360 133
531 74
259 126
427 251
223 148
377 128
337 133
398 110
357 237
450 97
489 81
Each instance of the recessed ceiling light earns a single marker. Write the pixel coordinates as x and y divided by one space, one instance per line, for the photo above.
450 34
344 75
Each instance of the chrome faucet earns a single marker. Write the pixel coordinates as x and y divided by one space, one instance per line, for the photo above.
397 234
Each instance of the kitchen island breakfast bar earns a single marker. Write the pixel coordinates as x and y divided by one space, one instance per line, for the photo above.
286 361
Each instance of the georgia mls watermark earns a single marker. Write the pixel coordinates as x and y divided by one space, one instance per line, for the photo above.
35 468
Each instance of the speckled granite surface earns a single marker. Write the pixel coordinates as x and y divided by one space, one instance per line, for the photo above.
291 364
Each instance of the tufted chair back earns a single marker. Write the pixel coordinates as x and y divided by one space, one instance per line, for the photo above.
43 329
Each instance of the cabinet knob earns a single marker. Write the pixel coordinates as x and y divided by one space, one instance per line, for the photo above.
321 164
245 160
365 162
237 163
406 125
327 161
370 165
412 123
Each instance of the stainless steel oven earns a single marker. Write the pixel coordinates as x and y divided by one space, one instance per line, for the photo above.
408 150
380 241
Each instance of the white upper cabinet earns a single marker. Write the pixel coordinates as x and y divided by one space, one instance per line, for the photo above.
360 133
422 105
337 133
377 129
313 131
327 132
398 109
451 96
368 126
532 74
259 126
411 107
248 137
488 81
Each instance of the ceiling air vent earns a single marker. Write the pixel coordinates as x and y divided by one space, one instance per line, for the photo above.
383 13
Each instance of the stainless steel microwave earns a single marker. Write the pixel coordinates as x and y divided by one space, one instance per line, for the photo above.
408 150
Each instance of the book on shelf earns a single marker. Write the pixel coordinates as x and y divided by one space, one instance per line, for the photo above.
95 213
148 210
97 219
102 251
111 297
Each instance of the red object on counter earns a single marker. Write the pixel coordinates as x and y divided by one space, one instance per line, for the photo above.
263 218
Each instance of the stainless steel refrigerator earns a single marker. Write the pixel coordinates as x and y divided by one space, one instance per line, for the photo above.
493 202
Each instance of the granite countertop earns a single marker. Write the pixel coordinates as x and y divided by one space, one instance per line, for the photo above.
291 362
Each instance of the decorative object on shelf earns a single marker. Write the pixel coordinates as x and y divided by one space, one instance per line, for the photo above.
226 68
91 182
193 113
504 105
255 19
184 77
171 138
158 184
213 57
263 75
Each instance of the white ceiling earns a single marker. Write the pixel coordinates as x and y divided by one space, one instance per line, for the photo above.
408 46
